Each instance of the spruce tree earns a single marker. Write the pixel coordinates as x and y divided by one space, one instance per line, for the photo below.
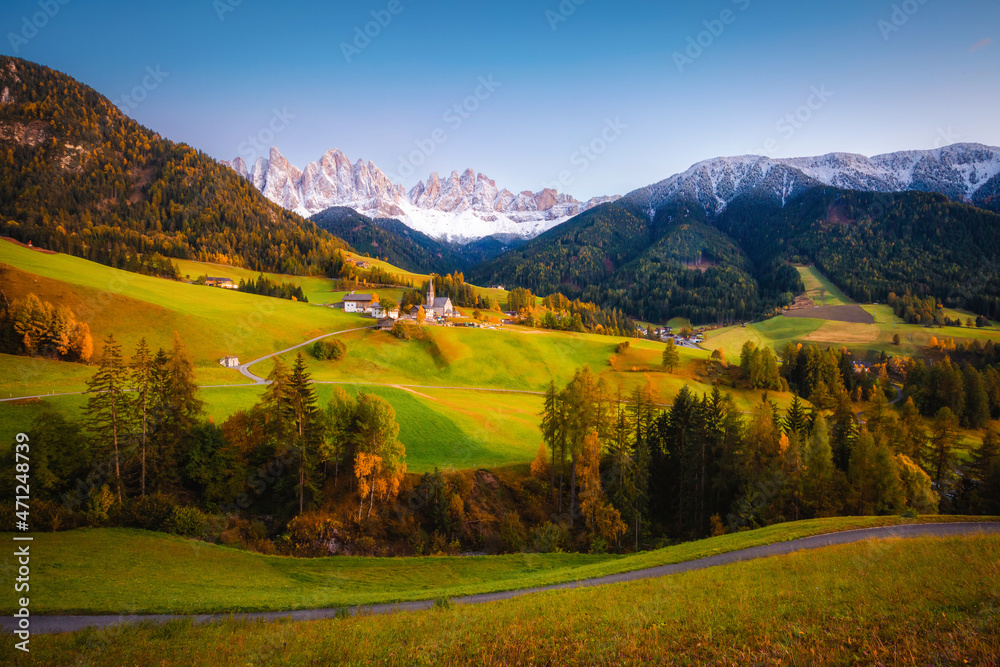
143 395
302 410
108 406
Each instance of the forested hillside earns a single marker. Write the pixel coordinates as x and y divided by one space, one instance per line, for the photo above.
78 176
673 266
736 266
872 244
391 240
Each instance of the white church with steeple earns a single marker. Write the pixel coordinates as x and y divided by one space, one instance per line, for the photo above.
436 306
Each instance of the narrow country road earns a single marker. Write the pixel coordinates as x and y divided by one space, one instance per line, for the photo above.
245 368
53 624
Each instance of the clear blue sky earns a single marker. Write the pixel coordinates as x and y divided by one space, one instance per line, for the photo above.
927 76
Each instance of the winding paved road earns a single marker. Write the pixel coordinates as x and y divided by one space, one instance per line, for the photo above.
52 624
245 368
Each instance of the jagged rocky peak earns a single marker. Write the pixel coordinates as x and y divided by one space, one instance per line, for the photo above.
462 206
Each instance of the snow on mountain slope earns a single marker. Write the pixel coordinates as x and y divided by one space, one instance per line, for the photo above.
715 183
462 207
963 172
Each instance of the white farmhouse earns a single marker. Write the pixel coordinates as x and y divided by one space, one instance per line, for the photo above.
359 303
379 312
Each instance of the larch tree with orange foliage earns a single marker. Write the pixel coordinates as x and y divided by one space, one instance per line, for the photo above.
379 459
603 520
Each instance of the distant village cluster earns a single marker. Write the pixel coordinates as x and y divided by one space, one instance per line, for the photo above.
436 308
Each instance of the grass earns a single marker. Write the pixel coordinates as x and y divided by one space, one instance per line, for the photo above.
820 289
773 333
116 570
318 289
213 322
922 600
447 429
25 376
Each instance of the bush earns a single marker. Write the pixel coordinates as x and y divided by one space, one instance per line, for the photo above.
146 512
623 347
187 521
49 516
329 348
548 538
400 332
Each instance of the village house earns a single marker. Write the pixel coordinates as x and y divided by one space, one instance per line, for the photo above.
386 324
379 312
230 361
359 303
224 283
435 307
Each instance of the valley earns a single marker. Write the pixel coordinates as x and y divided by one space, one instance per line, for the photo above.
252 413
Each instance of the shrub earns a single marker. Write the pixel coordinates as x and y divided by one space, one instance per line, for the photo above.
623 347
329 348
548 538
316 533
399 331
49 516
146 512
186 520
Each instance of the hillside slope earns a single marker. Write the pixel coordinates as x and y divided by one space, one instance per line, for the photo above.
731 263
391 240
78 176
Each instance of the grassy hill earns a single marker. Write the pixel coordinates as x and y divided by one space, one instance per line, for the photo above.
213 322
449 428
923 600
159 573
81 177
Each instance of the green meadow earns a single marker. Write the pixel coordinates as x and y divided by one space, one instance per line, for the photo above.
914 601
820 289
159 573
212 322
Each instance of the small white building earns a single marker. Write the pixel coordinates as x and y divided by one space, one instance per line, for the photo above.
359 303
230 361
379 312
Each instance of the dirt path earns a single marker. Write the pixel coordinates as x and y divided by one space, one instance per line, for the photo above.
52 624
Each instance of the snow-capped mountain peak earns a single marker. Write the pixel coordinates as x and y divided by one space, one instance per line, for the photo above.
461 207
963 172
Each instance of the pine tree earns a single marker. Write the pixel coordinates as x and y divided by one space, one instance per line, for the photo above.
306 436
179 408
671 357
977 404
143 402
818 477
108 405
552 429
986 467
944 435
796 420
